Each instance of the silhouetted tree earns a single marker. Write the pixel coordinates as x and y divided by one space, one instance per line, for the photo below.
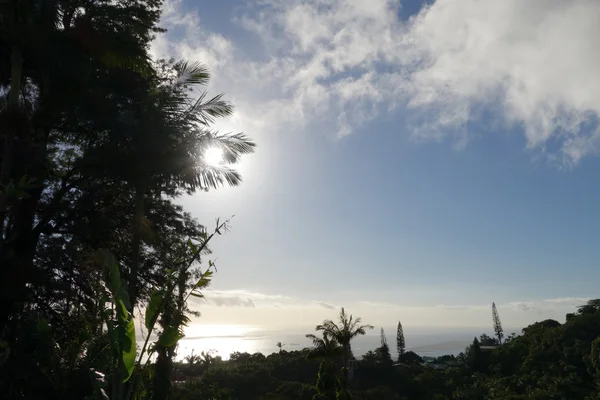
474 356
485 340
192 358
497 324
400 342
328 350
326 382
385 357
590 307
280 346
410 358
348 329
326 347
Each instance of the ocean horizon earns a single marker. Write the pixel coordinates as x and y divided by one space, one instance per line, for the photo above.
246 339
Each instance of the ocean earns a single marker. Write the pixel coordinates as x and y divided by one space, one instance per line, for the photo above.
432 344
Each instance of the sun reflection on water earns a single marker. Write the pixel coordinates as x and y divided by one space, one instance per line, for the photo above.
221 339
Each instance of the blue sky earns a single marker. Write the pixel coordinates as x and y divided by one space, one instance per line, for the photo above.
414 162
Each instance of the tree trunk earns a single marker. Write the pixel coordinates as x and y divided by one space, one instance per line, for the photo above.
162 374
16 71
12 120
138 220
346 355
11 287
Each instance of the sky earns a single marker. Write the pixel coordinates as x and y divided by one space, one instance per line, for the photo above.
416 161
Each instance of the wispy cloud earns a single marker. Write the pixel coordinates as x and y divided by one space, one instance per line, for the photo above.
267 309
375 304
245 298
531 65
576 301
549 305
380 305
325 305
523 305
241 298
232 301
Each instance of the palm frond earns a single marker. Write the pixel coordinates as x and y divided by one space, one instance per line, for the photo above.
314 339
207 177
360 330
232 145
185 163
191 73
205 112
325 347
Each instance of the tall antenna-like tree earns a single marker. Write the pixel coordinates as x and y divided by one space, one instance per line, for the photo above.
400 343
497 324
384 351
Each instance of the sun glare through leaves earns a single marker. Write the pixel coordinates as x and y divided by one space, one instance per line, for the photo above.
213 156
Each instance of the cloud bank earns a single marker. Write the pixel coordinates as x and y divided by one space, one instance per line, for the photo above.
242 307
339 64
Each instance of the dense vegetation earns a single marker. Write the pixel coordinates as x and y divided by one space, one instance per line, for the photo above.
547 361
97 141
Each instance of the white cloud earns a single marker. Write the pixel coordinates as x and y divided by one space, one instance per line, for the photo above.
537 59
532 64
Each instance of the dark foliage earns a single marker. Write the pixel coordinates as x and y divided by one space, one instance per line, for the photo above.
548 360
96 142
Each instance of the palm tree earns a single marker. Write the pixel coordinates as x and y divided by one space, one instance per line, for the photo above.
280 346
348 329
169 137
326 348
192 358
159 148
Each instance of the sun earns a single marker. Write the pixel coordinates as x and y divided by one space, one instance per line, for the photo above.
213 156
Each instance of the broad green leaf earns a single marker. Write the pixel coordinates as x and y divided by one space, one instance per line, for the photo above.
117 286
152 309
170 336
128 348
122 294
122 312
199 295
126 338
107 259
